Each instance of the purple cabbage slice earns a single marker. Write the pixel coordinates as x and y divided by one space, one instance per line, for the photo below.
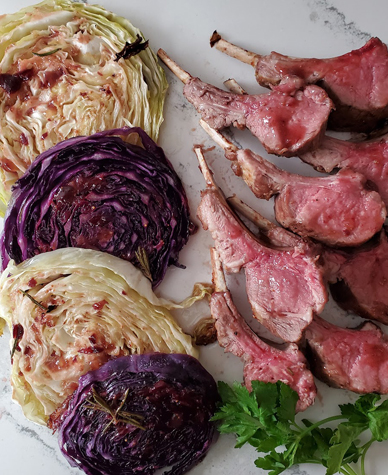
169 398
100 192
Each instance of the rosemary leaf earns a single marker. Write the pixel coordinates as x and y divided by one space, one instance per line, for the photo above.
142 257
38 304
102 403
48 52
118 416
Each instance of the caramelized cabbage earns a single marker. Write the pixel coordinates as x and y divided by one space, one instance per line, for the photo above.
138 414
100 193
60 79
71 310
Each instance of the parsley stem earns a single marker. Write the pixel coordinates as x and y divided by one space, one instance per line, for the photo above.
365 449
320 423
347 470
294 446
297 426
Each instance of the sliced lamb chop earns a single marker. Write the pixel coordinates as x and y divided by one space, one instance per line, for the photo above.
262 362
354 359
369 158
286 124
358 277
337 210
357 82
284 283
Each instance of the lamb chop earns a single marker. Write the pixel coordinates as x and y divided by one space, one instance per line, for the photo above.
262 361
358 277
369 158
286 124
357 82
354 359
284 280
338 210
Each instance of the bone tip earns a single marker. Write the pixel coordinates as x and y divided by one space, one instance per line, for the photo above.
179 72
215 38
207 174
161 53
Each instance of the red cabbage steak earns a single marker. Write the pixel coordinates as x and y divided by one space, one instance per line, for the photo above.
103 193
139 414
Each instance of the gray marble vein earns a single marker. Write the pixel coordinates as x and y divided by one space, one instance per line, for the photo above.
325 12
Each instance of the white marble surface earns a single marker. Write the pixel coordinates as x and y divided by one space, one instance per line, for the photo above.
296 27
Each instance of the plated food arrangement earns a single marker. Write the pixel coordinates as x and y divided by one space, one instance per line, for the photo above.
96 215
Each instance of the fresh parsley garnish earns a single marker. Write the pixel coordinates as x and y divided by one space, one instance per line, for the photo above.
265 418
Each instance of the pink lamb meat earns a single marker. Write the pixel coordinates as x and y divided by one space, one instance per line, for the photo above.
358 277
262 362
349 359
369 158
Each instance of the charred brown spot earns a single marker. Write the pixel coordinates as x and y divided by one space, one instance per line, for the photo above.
17 334
11 83
132 49
215 38
205 332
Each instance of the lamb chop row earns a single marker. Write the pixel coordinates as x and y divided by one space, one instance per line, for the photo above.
339 210
286 124
357 82
344 358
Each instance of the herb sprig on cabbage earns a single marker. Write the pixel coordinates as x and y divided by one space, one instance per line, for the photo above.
63 56
71 310
140 414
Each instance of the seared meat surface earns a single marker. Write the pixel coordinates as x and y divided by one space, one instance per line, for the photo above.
369 158
357 81
349 359
284 282
262 362
360 279
337 210
286 124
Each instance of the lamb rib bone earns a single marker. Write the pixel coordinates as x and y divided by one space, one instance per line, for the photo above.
338 210
284 282
262 362
357 81
286 124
